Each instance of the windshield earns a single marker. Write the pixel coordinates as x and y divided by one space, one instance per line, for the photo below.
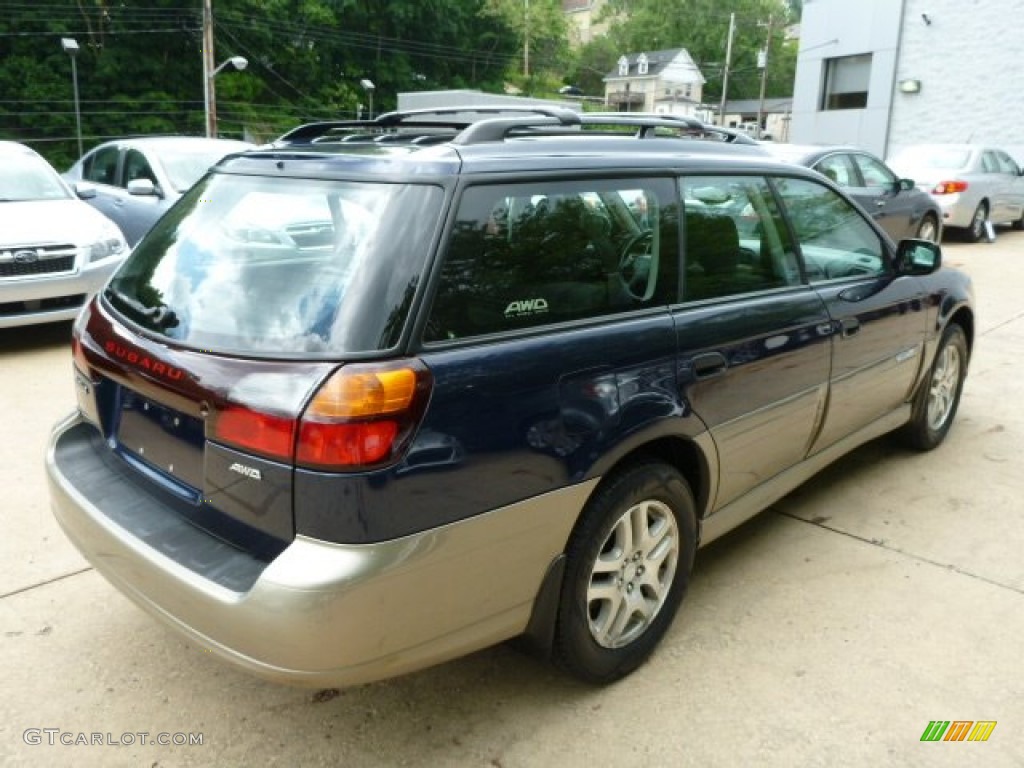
281 267
185 166
29 177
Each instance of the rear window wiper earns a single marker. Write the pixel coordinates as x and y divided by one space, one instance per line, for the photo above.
161 317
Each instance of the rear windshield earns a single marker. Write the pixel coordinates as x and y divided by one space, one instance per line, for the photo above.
281 267
939 158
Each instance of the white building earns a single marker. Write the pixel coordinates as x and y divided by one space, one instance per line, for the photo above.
884 74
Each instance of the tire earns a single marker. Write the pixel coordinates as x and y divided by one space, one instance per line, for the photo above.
1018 224
976 229
936 402
928 229
620 594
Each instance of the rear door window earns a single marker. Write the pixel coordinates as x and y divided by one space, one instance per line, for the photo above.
524 255
282 267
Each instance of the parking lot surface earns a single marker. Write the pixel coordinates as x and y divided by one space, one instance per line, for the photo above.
886 593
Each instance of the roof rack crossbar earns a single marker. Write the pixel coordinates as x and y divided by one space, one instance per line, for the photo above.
452 118
498 129
401 116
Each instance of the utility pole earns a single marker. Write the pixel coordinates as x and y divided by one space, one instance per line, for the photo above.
763 63
526 38
725 72
208 64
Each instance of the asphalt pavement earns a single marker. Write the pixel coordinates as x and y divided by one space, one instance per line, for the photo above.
831 630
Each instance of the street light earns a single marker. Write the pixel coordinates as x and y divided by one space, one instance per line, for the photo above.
239 63
70 46
369 87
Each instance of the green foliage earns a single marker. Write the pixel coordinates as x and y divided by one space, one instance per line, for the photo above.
541 31
140 64
593 61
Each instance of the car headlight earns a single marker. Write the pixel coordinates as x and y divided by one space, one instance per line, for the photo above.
111 244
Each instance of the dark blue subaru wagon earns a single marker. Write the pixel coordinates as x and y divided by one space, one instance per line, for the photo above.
383 393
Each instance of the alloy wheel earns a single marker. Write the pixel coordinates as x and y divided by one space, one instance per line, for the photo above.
632 575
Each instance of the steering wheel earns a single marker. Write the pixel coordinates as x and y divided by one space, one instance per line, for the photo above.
638 246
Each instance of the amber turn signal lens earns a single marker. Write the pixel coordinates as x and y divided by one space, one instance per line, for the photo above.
353 394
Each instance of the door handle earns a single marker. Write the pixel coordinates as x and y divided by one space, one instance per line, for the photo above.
879 203
709 364
850 326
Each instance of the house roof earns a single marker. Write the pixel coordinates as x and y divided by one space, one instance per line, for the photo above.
658 64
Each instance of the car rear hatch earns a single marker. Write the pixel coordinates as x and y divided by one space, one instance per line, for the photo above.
213 362
169 413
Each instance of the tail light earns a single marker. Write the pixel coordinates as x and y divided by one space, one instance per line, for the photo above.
261 433
78 354
949 187
362 415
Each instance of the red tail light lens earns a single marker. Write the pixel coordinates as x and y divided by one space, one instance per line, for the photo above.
346 445
78 354
262 433
949 187
363 415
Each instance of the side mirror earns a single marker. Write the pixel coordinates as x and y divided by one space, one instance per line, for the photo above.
142 187
905 185
918 257
83 190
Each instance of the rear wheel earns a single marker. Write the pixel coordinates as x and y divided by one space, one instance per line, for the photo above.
936 403
928 229
627 568
976 229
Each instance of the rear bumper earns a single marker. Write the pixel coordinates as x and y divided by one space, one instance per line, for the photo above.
51 298
319 613
956 210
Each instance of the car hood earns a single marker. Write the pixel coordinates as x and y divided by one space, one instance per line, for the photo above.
36 222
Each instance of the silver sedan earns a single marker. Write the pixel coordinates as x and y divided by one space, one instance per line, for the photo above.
972 184
133 181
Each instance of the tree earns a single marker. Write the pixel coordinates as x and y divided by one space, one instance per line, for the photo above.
541 30
594 60
140 63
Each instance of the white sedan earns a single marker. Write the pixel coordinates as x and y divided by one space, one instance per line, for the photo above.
55 251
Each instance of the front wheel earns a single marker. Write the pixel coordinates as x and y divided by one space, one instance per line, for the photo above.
628 564
936 403
928 229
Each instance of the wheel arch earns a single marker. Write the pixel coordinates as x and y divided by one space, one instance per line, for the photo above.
965 319
683 454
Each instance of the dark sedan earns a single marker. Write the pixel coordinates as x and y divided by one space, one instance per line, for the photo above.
899 207
133 181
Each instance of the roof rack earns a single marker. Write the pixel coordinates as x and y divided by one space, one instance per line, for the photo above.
452 119
481 124
648 122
